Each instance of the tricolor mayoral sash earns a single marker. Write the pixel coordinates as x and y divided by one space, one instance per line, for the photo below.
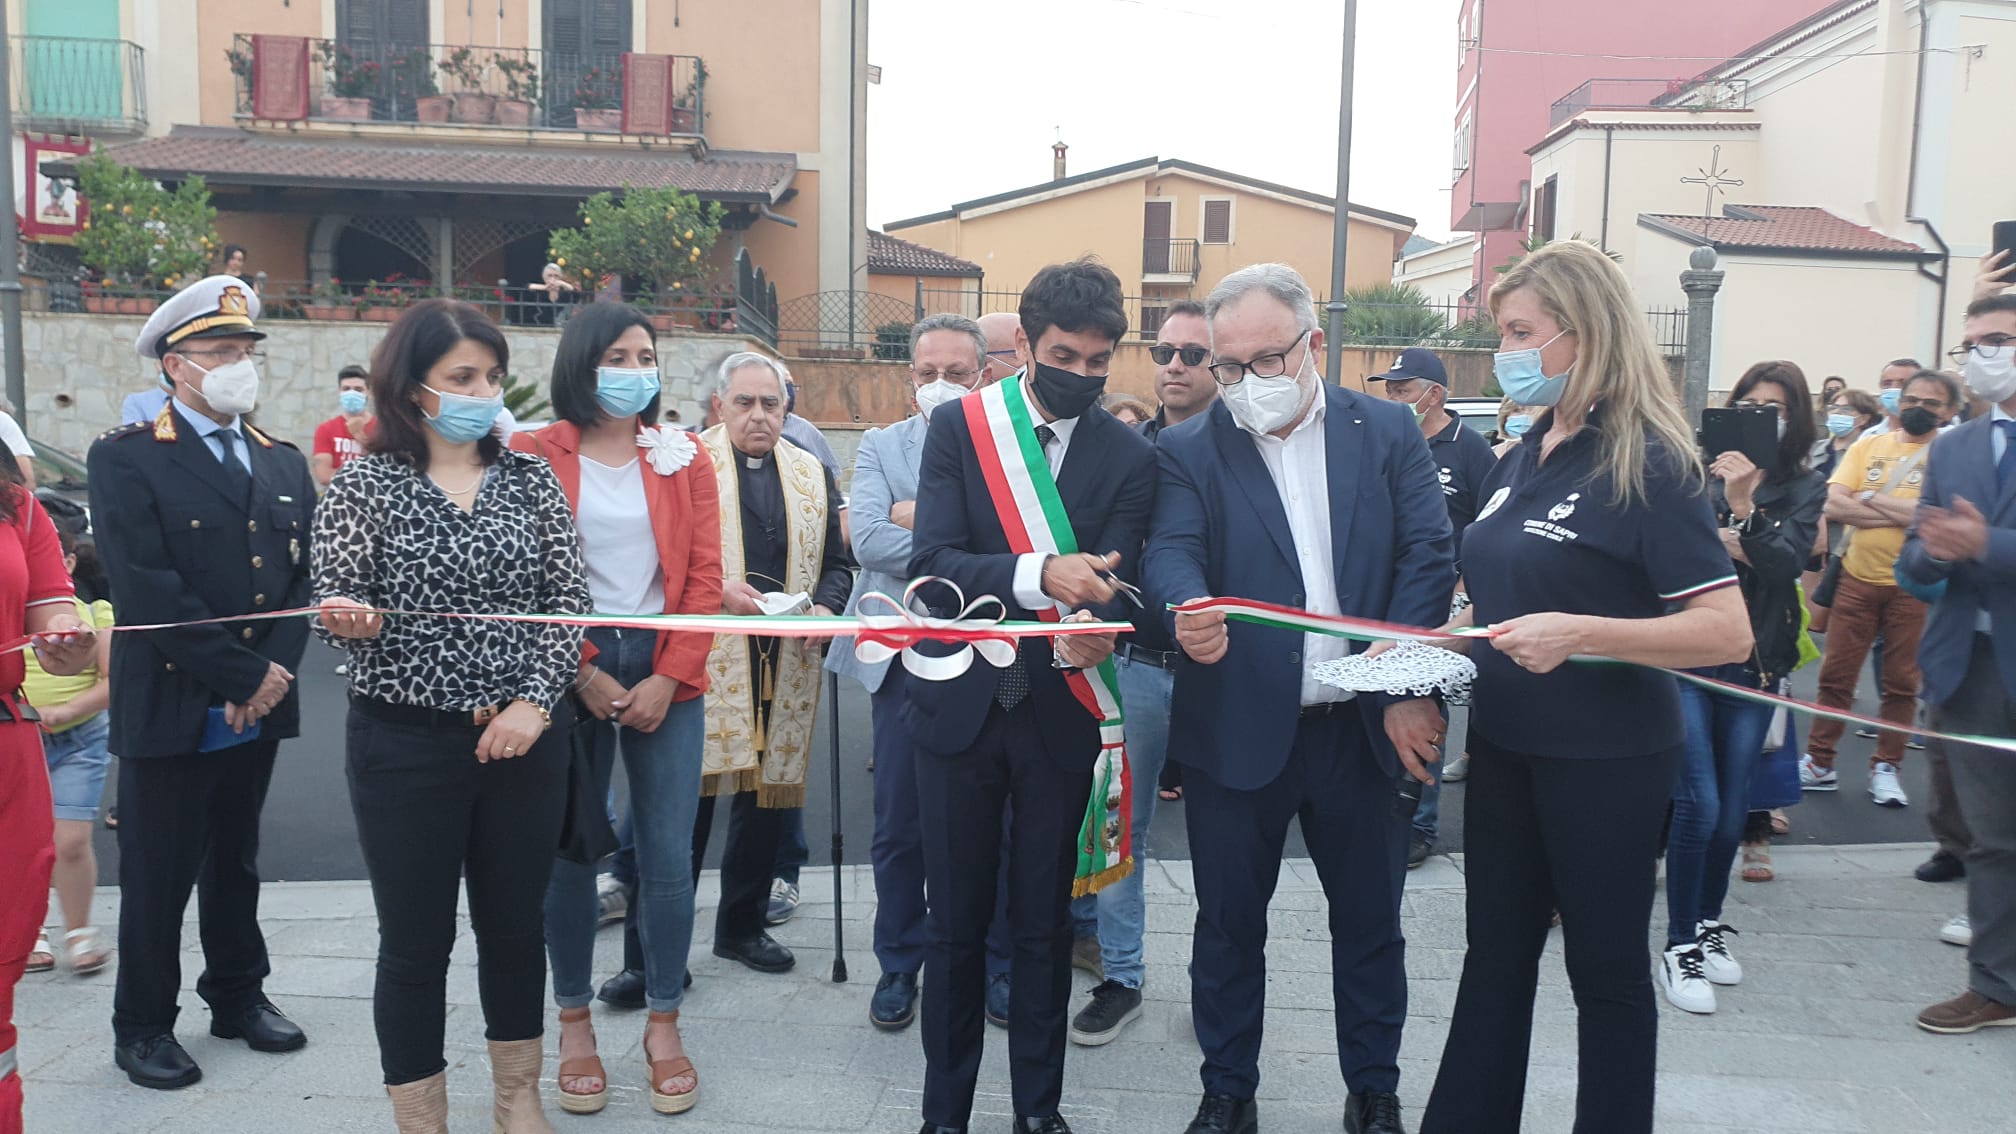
742 751
1032 515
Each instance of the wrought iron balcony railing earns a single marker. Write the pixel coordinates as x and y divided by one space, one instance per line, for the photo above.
1166 257
64 85
286 78
1644 94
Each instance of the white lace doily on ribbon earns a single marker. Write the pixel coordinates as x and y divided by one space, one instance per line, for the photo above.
668 448
1412 668
910 614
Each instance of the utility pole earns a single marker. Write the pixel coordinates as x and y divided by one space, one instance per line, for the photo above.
1340 239
10 237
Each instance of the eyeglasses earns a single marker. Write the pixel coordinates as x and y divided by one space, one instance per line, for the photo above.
956 377
1986 348
1928 403
1192 355
1266 366
227 356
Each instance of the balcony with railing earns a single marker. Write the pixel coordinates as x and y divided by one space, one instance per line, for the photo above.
1164 260
64 85
286 78
1649 94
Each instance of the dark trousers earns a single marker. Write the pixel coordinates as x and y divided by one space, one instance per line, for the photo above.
1582 836
1357 837
1984 779
428 813
746 863
189 821
963 800
1942 811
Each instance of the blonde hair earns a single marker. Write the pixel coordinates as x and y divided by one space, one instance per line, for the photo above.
1615 361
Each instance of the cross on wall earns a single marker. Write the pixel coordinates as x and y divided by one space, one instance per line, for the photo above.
1714 179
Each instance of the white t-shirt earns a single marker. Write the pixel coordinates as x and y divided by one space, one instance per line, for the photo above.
617 543
17 441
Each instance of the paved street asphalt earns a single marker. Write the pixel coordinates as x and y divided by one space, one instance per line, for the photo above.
309 834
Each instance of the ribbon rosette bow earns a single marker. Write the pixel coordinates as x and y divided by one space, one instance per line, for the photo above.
883 636
668 448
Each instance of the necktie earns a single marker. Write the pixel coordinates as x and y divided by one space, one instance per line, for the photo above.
1014 683
234 469
2006 467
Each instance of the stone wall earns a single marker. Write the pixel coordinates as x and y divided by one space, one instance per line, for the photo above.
81 367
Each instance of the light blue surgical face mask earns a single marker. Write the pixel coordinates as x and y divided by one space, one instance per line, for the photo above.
352 401
463 418
1839 424
1521 377
1518 424
623 392
1888 400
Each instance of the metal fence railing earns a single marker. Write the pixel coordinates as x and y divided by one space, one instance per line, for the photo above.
1169 257
1641 94
67 85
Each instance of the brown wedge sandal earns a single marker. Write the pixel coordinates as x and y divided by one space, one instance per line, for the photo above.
582 1102
663 1069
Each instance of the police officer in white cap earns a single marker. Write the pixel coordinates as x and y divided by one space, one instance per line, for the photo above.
199 516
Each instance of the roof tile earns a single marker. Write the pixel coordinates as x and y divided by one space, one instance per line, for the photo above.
1783 228
895 256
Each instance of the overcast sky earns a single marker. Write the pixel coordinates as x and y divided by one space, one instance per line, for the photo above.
973 94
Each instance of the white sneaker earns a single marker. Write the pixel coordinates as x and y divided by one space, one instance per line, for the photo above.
1957 932
1884 788
612 899
1813 777
1716 962
1686 985
1456 769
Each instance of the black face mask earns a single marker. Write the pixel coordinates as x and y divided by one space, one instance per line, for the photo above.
1917 421
1064 392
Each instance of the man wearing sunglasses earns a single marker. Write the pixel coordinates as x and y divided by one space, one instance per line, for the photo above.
1462 459
1182 356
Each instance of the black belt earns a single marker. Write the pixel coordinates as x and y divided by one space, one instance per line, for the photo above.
419 716
1326 709
14 707
1160 659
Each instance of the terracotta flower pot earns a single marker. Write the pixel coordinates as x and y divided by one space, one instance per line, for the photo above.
101 304
432 108
347 109
132 305
685 120
609 120
330 314
664 322
514 112
475 108
378 314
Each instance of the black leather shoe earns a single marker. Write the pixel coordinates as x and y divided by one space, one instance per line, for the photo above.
262 1027
624 990
157 1063
1054 1124
934 1128
1941 867
1223 1114
760 952
997 999
895 1002
1373 1112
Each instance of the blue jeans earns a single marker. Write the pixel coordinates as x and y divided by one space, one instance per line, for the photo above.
793 852
1725 740
1428 813
78 759
664 771
1118 914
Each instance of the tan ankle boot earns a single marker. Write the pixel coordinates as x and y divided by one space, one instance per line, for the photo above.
421 1107
514 1071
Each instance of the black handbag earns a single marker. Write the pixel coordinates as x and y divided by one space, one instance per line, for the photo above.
1830 578
585 834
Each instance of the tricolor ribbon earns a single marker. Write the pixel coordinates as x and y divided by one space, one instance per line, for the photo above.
1368 630
888 635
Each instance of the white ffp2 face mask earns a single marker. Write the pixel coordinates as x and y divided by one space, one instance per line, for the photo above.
934 394
1263 405
1991 372
231 389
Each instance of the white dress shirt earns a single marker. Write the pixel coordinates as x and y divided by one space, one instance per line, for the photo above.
208 431
1300 468
1029 568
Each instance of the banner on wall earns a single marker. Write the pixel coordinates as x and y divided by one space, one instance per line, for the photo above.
49 207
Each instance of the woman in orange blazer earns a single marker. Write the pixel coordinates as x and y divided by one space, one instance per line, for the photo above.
648 509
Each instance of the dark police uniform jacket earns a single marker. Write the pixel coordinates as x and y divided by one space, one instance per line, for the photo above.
180 544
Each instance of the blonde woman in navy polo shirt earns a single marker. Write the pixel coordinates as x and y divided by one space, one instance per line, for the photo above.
1591 531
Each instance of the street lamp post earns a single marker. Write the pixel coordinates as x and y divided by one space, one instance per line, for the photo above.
10 239
1340 237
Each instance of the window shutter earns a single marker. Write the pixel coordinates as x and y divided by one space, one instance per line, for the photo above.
357 21
608 30
395 22
406 22
563 27
1217 222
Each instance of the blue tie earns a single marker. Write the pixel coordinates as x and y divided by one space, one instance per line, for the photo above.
2006 467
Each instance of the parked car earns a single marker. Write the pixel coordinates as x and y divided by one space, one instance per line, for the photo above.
60 484
1480 414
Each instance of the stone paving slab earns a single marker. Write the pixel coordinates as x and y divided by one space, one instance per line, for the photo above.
1839 954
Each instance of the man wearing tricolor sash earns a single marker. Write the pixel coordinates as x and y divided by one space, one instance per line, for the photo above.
1030 493
1305 495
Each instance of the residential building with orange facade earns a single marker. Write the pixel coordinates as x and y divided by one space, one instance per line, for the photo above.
321 130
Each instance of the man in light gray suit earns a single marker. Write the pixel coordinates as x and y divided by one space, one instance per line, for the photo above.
1965 535
947 355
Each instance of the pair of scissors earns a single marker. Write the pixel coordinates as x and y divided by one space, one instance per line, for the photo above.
1126 589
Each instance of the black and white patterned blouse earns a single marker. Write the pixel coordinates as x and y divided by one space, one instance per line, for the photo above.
387 537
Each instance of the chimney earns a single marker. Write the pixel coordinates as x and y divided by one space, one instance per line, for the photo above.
1057 161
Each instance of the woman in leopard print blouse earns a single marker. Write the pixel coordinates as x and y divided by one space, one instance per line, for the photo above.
453 765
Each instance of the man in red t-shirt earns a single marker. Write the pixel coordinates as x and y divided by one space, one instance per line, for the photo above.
342 437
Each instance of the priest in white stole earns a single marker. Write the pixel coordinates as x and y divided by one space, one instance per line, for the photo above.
780 534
